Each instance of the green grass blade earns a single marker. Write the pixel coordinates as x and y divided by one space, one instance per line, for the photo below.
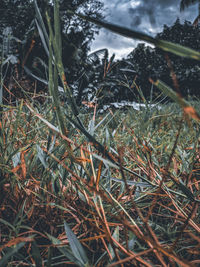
57 27
66 252
53 85
177 49
42 38
119 29
60 89
42 157
5 259
188 109
98 145
36 254
61 73
41 27
171 93
116 237
76 246
166 46
7 224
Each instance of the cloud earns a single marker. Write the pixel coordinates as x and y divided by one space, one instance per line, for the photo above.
147 16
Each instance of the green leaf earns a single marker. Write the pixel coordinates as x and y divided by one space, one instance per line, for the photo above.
36 254
66 252
42 156
4 260
139 184
177 49
98 145
186 191
7 224
188 109
41 28
91 127
107 162
170 93
101 121
76 246
49 257
40 79
42 38
16 159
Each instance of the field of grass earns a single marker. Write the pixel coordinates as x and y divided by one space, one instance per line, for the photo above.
119 188
63 202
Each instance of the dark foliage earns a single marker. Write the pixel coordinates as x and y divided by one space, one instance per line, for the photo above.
123 79
187 71
154 63
19 16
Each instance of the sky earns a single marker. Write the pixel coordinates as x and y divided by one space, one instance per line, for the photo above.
146 16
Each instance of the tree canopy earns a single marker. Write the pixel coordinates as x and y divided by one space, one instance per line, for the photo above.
77 34
151 62
18 17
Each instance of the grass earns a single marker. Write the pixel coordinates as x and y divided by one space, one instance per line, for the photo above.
141 211
88 189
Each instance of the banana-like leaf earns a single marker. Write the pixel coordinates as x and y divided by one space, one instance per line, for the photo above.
96 55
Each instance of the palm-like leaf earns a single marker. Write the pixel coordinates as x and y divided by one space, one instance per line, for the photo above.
97 55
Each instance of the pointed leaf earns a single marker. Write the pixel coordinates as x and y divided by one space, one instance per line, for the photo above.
190 111
91 127
5 259
16 159
41 28
41 156
60 89
75 245
36 254
66 252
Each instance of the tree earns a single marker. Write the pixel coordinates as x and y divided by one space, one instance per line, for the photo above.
185 3
147 64
151 62
186 70
77 34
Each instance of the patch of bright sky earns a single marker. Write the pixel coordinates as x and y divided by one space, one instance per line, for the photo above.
116 12
135 4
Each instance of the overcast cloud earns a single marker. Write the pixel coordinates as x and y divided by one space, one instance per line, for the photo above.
147 16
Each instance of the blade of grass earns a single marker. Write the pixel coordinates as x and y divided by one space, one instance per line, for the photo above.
66 252
36 254
76 246
187 108
164 45
53 86
61 73
41 28
5 259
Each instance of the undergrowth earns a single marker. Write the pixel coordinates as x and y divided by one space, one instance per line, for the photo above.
119 188
140 212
